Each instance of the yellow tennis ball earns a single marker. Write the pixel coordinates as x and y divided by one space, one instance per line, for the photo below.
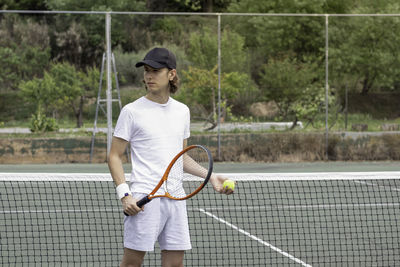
229 184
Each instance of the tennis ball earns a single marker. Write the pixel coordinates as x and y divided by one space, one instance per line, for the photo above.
229 184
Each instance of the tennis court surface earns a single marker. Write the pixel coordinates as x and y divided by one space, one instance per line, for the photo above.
273 219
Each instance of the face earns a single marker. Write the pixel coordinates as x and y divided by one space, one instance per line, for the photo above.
157 80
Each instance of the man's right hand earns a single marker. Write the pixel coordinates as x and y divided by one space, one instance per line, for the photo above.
129 206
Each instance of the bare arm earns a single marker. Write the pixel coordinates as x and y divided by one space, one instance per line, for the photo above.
117 151
192 167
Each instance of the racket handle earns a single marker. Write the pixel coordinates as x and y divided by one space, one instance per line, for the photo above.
141 203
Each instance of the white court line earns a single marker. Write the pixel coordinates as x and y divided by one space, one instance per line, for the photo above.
316 206
247 208
59 211
256 238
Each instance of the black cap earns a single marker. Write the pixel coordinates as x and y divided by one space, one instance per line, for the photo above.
158 58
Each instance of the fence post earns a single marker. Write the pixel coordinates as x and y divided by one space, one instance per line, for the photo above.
109 82
219 87
326 85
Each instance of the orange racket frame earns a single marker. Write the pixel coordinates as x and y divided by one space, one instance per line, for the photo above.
164 178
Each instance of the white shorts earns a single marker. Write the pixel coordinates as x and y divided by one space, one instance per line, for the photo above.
163 220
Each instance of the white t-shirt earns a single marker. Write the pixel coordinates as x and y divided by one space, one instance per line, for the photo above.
156 133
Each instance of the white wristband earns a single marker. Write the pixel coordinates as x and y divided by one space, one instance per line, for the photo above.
123 190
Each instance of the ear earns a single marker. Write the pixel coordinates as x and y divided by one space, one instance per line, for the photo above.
171 74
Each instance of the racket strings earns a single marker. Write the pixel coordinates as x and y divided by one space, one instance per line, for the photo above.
191 166
173 185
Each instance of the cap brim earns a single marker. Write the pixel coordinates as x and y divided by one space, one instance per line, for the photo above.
151 63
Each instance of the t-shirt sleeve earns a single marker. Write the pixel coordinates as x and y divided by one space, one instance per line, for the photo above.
186 133
124 126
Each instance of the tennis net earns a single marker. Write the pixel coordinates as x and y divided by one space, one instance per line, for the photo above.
313 219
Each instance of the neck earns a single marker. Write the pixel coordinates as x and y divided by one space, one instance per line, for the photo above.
158 98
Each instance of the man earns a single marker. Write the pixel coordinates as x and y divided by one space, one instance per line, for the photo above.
157 127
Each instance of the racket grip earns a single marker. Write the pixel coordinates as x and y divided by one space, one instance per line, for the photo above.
143 201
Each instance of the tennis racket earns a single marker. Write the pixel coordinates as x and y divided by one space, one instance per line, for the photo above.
193 164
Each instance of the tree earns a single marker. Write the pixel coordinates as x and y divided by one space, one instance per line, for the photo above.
68 89
203 50
61 88
24 50
294 87
188 6
95 5
200 90
55 91
86 32
42 93
365 50
270 37
276 34
72 44
23 5
90 82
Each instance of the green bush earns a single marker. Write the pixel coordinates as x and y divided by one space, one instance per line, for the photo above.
40 123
